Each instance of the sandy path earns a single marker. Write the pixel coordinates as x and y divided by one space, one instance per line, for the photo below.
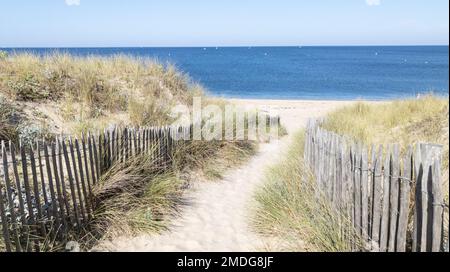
217 218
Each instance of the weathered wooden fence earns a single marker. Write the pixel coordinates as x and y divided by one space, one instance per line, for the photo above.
394 198
46 190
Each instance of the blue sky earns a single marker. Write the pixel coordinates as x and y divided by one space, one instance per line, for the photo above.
74 23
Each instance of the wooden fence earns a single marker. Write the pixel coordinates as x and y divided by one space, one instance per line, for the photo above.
46 190
393 197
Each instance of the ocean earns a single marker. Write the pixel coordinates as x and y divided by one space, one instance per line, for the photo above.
332 73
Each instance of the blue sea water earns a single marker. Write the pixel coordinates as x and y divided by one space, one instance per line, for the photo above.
374 73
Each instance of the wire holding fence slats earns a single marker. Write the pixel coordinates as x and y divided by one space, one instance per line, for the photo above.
378 197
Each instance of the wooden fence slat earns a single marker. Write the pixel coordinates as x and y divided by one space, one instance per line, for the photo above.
135 142
371 177
405 188
394 198
345 179
62 199
54 200
71 184
122 145
438 207
130 143
31 223
62 179
97 155
76 179
85 198
113 147
352 185
86 166
338 169
418 173
424 196
145 140
117 144
5 227
92 162
364 194
101 153
108 144
8 191
41 174
140 135
18 183
321 157
332 170
37 198
357 188
125 145
384 229
377 195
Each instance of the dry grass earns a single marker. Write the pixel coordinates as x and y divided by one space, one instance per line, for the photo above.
135 197
212 159
8 130
291 208
92 91
405 122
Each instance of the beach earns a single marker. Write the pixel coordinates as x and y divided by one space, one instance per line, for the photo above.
294 113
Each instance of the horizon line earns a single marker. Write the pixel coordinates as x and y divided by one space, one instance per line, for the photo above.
224 46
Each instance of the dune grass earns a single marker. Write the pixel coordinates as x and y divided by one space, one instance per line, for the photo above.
133 197
7 129
404 121
83 93
291 208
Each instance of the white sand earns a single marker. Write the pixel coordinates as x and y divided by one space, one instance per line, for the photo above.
217 218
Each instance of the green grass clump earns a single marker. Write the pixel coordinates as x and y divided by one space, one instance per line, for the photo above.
291 208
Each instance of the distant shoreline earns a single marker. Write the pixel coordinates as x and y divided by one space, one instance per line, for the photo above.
212 46
303 100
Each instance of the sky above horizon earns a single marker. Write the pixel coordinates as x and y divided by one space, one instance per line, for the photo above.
110 23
